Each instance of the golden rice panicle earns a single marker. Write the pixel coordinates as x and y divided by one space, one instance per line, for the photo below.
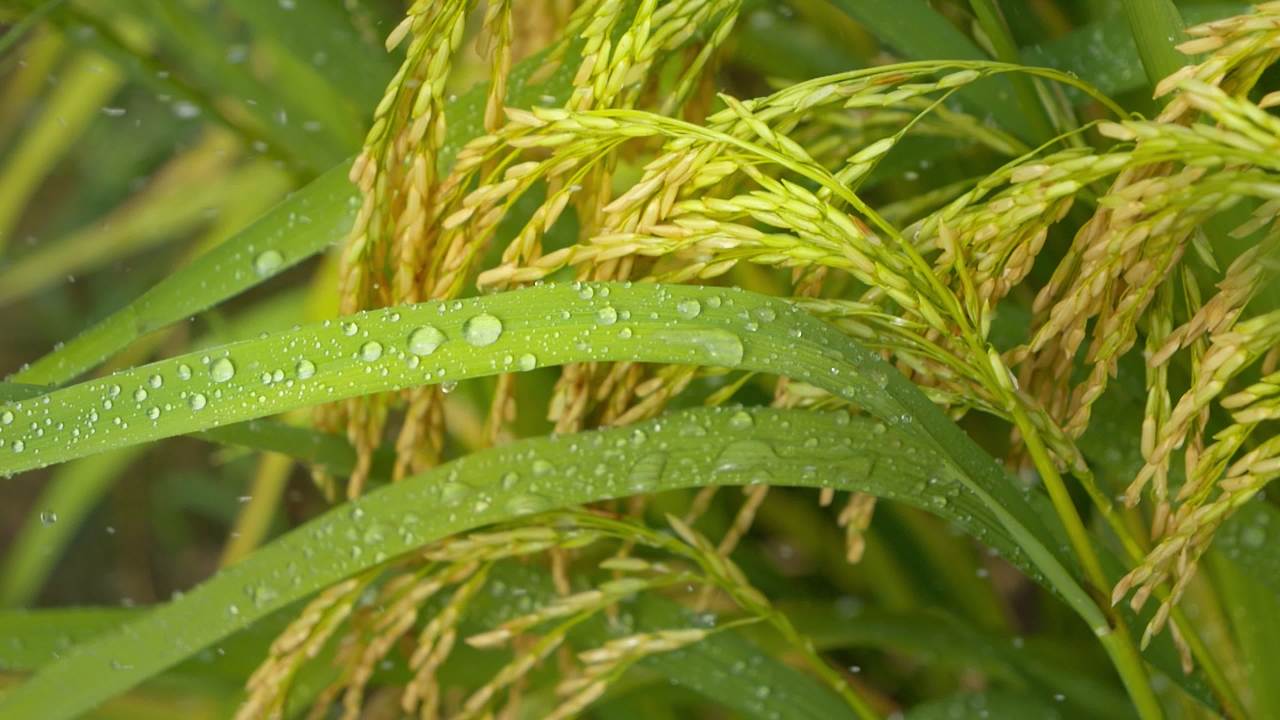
267 689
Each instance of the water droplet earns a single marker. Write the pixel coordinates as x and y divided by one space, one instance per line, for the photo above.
453 493
765 314
1253 536
197 401
305 369
689 308
184 372
222 370
140 394
48 517
154 413
350 329
741 420
156 381
525 504
425 340
19 446
6 417
647 473
527 362
371 351
481 330
448 386
267 262
510 480
607 315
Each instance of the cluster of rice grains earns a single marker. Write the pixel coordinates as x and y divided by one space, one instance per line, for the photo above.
775 182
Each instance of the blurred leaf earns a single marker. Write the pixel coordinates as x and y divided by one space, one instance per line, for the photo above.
69 495
992 704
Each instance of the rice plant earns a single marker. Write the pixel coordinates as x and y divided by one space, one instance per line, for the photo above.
639 358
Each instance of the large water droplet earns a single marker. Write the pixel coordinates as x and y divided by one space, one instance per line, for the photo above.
481 330
607 315
689 308
197 401
184 372
525 504
647 473
140 394
306 369
6 417
425 340
527 362
371 351
267 262
222 370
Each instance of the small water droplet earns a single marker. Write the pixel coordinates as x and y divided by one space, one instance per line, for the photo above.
18 446
350 329
524 504
1253 536
527 362
222 369
689 308
481 330
425 340
184 372
6 417
153 413
197 401
607 315
48 517
305 369
371 351
741 420
267 262
140 394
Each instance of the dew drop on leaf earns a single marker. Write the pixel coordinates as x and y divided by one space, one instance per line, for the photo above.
607 315
184 372
6 417
222 370
140 394
197 401
425 340
481 330
527 362
524 504
689 308
371 351
306 369
267 262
